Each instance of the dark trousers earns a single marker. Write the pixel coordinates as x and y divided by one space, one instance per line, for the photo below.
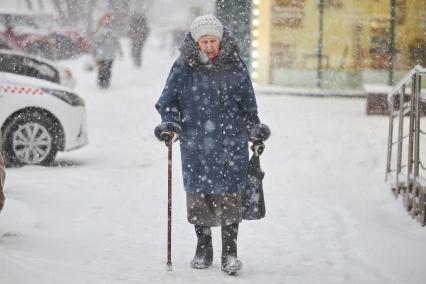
229 241
104 73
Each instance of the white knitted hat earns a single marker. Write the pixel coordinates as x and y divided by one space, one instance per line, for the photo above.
206 25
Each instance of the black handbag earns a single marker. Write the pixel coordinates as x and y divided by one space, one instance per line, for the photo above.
252 198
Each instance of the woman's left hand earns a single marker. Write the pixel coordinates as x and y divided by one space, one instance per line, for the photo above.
259 133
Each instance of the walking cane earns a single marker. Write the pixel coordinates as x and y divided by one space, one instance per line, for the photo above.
169 143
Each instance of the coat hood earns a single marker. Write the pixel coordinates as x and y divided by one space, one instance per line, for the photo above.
228 56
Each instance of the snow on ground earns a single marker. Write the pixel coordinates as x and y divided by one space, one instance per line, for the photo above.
99 215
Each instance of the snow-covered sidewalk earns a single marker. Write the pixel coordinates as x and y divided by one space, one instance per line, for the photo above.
100 215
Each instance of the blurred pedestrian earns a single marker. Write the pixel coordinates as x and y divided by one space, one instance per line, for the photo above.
209 104
105 45
9 31
138 33
178 35
2 178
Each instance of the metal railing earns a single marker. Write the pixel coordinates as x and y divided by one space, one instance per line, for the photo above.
403 171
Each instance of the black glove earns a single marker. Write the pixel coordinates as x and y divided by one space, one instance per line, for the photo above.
167 132
259 133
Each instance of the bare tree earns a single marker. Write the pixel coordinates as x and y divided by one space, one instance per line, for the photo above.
74 8
59 8
41 5
83 12
29 4
89 18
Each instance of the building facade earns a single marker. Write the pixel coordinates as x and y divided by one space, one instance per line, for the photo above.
355 47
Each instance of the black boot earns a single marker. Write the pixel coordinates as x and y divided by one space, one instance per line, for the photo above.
230 263
204 253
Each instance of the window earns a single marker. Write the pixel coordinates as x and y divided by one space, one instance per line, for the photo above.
379 44
282 55
288 13
338 4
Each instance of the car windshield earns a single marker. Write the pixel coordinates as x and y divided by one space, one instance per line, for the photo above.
19 23
28 67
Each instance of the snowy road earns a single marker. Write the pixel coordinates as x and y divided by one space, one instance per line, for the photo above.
100 215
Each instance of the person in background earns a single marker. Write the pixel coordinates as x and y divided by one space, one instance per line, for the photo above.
138 33
105 45
9 31
209 104
178 34
2 178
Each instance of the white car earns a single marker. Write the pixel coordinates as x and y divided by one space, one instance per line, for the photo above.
38 119
16 62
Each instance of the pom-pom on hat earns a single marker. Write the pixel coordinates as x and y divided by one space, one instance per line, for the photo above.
206 25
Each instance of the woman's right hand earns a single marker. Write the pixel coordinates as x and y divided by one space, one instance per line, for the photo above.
167 132
167 137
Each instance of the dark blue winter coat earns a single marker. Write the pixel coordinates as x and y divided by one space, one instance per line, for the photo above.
216 108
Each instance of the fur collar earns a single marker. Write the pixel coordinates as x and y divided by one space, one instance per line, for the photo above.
227 59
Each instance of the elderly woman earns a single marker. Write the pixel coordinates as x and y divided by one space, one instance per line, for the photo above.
209 104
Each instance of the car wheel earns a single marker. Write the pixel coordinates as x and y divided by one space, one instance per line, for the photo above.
29 139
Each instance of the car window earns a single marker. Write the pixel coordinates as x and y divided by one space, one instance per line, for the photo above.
28 67
10 64
4 45
42 68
